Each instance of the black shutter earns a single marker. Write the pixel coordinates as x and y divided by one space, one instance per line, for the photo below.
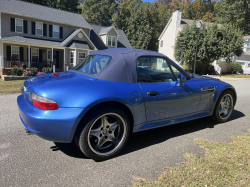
44 29
61 32
8 52
21 54
33 27
40 55
50 30
12 24
25 26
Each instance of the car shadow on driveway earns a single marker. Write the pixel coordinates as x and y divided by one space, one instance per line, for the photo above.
148 138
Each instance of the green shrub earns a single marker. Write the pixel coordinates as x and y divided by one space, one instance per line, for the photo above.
33 71
46 70
236 67
16 71
226 67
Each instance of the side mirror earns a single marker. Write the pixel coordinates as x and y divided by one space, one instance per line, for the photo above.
182 80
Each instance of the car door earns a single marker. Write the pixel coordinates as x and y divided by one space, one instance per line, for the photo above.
163 96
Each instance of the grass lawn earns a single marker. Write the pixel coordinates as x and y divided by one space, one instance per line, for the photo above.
9 87
236 76
225 164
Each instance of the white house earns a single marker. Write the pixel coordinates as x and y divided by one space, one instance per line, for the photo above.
169 34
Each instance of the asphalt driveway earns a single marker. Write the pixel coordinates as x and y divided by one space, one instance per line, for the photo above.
26 160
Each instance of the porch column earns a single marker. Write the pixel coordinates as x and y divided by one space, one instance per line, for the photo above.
51 58
64 60
75 58
2 62
28 56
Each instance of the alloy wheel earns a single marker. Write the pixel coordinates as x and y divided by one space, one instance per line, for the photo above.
106 134
226 106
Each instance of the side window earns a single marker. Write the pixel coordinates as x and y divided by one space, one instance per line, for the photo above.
176 72
153 69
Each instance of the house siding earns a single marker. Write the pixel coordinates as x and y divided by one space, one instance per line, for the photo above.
5 18
170 35
168 41
112 32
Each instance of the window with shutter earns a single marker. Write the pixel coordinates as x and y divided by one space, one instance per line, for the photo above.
55 31
39 28
19 25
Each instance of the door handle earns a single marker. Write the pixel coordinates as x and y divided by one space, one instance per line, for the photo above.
153 93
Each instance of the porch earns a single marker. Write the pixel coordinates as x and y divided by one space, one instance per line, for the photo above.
26 56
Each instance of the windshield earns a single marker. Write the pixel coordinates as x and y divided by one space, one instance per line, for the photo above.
93 64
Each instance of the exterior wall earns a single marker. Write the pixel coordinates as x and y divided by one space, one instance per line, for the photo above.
67 56
168 41
170 35
104 39
1 63
5 19
112 32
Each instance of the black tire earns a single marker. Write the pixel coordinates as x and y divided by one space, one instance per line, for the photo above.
217 117
85 141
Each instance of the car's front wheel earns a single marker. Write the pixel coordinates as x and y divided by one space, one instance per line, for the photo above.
224 107
105 134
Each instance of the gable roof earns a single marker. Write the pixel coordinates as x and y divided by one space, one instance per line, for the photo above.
70 37
42 12
106 30
169 21
122 40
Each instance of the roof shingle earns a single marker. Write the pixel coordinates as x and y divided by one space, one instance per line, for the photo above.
42 12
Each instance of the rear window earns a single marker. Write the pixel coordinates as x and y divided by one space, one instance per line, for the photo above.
93 64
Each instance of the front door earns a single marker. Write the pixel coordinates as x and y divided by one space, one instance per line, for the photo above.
56 58
163 96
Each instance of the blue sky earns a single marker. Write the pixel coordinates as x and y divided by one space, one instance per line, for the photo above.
148 0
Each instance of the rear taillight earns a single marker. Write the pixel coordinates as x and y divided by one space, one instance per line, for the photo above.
43 102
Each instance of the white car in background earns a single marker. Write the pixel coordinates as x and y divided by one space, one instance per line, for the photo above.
246 71
245 67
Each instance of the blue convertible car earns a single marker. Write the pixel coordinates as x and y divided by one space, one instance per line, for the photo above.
115 92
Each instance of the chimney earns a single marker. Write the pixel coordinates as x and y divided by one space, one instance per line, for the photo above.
176 16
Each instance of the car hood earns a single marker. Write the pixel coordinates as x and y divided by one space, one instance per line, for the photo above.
41 82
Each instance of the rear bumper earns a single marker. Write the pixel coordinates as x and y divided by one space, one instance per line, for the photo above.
56 125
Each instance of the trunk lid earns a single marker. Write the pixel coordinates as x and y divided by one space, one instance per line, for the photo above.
38 83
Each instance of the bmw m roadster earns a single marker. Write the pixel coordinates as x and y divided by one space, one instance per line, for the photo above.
115 92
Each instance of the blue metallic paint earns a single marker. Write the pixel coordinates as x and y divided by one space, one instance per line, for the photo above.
76 94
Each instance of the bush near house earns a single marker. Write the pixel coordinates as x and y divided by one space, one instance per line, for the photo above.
226 67
16 71
236 67
47 70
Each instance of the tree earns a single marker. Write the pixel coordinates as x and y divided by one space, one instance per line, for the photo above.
233 12
231 43
68 5
99 11
121 17
212 44
142 27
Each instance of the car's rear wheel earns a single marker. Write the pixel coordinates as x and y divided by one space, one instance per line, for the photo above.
105 134
224 107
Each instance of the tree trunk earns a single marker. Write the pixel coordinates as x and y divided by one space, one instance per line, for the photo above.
203 69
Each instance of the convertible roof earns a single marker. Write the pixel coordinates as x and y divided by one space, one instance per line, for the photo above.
122 68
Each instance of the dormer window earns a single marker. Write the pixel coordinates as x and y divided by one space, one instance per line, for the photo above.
19 25
112 41
55 31
39 28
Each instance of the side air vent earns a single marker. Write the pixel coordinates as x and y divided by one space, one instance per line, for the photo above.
208 89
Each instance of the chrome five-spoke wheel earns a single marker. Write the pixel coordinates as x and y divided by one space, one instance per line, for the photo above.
226 105
104 133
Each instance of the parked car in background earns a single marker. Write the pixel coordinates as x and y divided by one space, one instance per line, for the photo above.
115 92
